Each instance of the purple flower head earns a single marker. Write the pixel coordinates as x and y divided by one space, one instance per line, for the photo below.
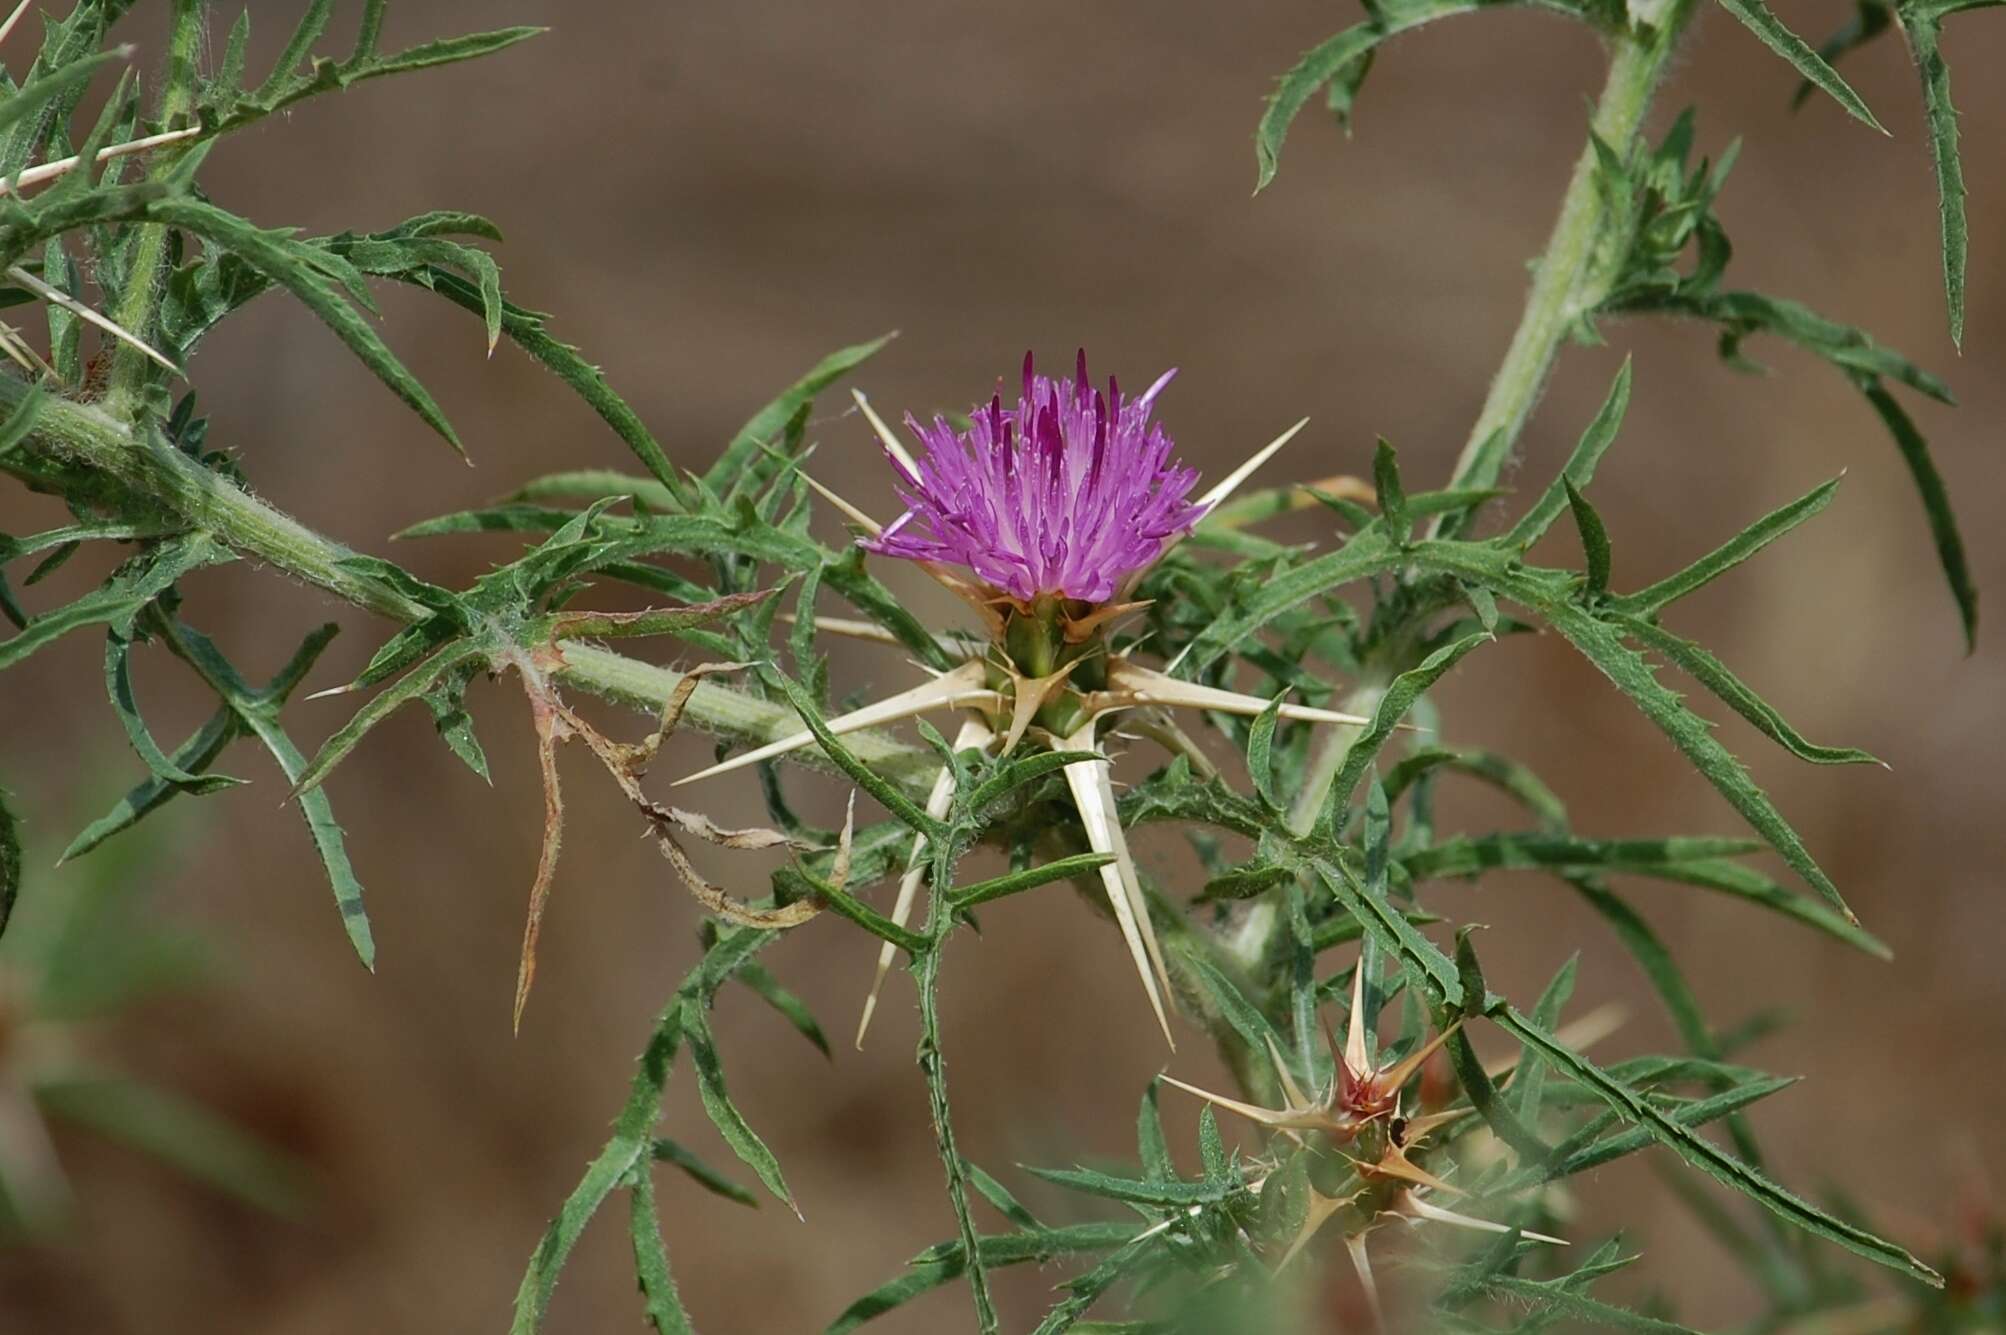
1069 493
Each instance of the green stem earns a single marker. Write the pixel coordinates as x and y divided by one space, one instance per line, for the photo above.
140 301
926 971
1567 283
203 499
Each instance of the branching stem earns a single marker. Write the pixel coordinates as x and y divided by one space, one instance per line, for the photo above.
1564 284
204 499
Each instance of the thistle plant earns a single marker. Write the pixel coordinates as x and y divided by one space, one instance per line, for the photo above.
1121 612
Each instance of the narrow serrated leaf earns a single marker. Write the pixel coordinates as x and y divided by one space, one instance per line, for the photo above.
1757 18
723 1113
1580 467
1936 504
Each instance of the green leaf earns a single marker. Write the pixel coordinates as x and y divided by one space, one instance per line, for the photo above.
1870 19
1392 930
447 703
1665 977
1467 855
1555 1298
21 420
130 588
1341 61
182 1134
526 329
1367 553
1132 1191
311 25
999 1196
723 1113
792 1009
1400 696
1580 467
36 94
1508 776
1222 998
668 1151
1594 540
1428 965
1319 65
1157 1164
1711 673
596 484
1745 882
766 424
10 861
1392 495
1015 774
411 686
1936 504
886 792
1756 17
1923 32
1603 646
441 51
193 756
257 714
660 1303
1212 1148
1260 761
1647 602
1529 1080
301 270
1030 878
118 684
631 1140
1703 1154
945 1262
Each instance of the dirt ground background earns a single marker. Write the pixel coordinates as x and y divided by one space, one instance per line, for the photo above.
711 197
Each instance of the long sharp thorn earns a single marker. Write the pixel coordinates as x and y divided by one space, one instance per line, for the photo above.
1231 482
1141 685
14 18
1277 1118
1290 1090
839 869
1420 1128
974 732
57 297
49 171
1355 1244
890 441
1401 1074
851 512
1321 1208
1396 1164
1096 814
1421 1209
1125 863
959 687
848 627
1355 1058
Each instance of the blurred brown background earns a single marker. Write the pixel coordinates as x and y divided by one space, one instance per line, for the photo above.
711 197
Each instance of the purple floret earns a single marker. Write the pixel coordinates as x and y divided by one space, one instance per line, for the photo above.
1071 493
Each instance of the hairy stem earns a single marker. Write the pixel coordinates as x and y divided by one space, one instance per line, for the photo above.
926 970
1565 282
203 499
